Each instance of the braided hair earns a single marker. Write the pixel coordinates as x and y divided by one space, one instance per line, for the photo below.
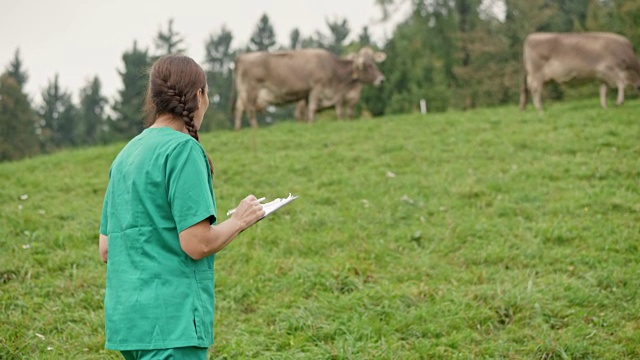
174 81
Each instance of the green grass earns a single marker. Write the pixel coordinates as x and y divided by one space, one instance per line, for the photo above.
488 234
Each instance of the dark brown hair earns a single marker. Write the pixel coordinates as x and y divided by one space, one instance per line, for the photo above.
174 81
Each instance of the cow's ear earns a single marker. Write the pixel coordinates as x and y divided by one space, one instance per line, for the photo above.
379 56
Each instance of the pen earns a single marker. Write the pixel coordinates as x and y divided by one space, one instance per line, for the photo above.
230 212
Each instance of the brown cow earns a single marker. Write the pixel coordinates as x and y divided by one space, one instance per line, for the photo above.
314 75
562 57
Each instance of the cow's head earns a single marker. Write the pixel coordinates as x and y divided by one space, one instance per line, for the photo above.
364 65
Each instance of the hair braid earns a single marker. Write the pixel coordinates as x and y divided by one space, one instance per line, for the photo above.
174 89
186 110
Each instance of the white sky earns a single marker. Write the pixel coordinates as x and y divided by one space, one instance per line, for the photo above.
79 39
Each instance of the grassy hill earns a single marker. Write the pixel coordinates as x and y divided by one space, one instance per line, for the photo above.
480 234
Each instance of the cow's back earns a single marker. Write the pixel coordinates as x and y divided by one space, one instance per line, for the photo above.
289 70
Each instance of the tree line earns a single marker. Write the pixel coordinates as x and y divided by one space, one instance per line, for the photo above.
454 54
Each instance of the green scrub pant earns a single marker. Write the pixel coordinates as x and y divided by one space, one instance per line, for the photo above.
182 353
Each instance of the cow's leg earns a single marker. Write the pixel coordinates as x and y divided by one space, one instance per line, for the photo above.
523 93
350 105
299 113
535 88
239 109
251 105
312 104
603 95
339 110
620 99
253 116
350 111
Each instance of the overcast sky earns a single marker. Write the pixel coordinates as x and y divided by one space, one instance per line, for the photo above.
79 39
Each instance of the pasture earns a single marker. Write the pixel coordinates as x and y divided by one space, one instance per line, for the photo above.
488 234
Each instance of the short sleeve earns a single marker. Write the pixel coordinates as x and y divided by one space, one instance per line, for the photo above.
189 188
104 219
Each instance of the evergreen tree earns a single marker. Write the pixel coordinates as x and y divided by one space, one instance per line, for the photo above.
629 12
419 62
15 70
218 61
388 8
129 107
294 39
264 37
473 41
218 52
569 15
364 39
17 121
339 31
603 16
443 27
59 118
92 112
169 42
318 40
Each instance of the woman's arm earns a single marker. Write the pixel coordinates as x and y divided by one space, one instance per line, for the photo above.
202 239
103 247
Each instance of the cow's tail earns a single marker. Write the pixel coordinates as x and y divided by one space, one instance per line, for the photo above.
523 92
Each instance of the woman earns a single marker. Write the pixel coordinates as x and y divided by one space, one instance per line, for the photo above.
158 229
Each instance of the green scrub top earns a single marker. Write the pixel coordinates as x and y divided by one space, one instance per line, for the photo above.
157 297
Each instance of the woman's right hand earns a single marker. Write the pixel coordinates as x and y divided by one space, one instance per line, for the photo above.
248 212
203 239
